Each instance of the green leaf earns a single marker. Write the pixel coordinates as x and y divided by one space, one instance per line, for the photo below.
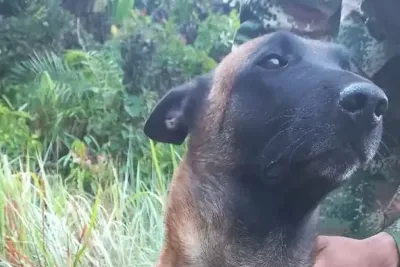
134 105
122 9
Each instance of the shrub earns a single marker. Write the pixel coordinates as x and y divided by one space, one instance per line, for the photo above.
102 96
80 184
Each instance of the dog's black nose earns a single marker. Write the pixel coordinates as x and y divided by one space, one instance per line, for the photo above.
364 100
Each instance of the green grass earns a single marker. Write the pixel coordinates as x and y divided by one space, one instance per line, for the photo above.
44 221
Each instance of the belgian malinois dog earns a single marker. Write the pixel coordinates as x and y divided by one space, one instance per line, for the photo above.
281 122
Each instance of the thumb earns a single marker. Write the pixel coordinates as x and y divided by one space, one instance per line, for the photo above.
320 262
321 242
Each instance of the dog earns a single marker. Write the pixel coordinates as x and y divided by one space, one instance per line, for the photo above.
277 125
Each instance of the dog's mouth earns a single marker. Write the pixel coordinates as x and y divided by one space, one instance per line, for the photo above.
335 163
360 152
342 161
336 160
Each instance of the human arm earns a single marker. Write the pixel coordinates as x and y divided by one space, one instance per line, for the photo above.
376 231
379 250
392 220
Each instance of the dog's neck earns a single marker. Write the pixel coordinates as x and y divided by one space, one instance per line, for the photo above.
237 204
258 207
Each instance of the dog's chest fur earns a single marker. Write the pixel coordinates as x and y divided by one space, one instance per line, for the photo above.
219 249
223 240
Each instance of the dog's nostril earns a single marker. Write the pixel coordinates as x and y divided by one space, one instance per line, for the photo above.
353 102
363 99
381 108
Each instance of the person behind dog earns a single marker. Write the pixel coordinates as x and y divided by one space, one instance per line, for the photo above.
360 222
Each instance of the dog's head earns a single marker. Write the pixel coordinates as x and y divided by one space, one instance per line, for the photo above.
276 103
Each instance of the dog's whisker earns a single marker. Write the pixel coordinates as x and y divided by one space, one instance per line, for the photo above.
275 136
386 147
306 109
294 150
380 156
287 147
390 137
278 117
297 147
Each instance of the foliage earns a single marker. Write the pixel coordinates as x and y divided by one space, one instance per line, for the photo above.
46 222
102 96
120 9
159 49
36 26
15 135
71 95
80 184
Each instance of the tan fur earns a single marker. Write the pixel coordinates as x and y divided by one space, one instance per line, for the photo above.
224 78
183 241
225 207
180 223
188 240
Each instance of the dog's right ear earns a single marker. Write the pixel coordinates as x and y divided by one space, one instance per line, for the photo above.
171 119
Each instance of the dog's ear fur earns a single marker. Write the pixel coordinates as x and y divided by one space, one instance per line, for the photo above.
171 119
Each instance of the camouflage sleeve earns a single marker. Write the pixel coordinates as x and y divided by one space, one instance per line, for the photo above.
394 231
392 218
312 18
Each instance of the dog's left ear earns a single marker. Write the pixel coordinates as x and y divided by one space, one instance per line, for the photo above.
171 119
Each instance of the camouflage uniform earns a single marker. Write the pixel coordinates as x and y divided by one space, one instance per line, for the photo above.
371 201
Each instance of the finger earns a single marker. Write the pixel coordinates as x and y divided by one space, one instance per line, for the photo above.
321 242
320 262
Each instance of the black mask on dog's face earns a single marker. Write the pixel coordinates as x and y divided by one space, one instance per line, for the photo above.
279 98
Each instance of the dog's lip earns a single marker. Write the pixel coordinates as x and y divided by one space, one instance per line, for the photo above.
352 152
360 152
355 154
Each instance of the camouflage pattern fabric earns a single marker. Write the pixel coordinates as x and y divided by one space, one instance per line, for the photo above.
370 202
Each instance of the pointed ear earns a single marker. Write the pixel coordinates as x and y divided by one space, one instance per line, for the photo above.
171 119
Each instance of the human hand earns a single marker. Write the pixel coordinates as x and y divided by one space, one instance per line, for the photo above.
377 251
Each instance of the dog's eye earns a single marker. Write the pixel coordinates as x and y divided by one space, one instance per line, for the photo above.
273 61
